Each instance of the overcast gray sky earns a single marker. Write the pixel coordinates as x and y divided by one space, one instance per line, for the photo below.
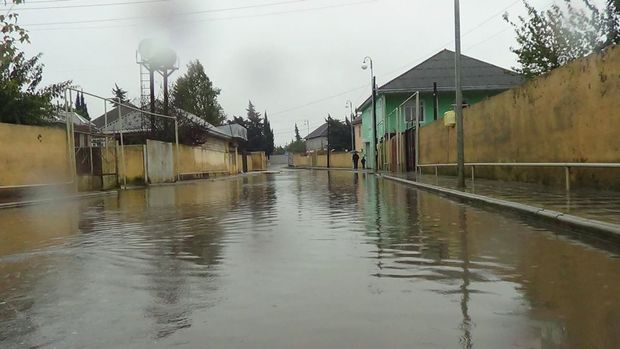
299 60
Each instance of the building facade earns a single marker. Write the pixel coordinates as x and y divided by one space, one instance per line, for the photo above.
434 79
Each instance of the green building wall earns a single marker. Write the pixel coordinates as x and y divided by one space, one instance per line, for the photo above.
387 105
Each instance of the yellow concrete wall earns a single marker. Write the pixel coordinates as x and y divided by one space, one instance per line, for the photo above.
341 160
337 160
204 159
359 142
32 155
258 160
134 164
249 162
301 160
569 115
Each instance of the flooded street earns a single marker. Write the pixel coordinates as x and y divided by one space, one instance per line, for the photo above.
298 259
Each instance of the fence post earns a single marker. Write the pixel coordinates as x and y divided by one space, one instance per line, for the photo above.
567 176
473 174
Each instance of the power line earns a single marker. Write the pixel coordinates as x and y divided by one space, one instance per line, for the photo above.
272 4
411 62
91 5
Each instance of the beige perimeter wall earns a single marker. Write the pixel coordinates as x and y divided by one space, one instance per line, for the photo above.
570 115
31 155
337 160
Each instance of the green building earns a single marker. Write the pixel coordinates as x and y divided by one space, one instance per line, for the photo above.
434 79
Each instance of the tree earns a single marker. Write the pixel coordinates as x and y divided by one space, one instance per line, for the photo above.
279 150
21 99
80 106
255 127
339 134
297 136
269 137
551 38
298 145
194 92
119 93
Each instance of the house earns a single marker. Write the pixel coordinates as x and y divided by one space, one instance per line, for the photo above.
112 115
83 129
435 80
357 133
317 139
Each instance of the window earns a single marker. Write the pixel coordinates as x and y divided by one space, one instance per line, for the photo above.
410 112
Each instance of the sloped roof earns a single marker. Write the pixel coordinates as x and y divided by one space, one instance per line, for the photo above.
477 75
234 131
321 131
113 115
77 119
135 122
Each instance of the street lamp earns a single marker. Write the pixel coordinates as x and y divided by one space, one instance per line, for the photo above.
365 65
349 105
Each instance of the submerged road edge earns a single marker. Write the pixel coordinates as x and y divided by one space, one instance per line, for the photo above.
608 230
114 192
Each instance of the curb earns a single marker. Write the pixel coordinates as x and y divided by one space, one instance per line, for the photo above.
607 229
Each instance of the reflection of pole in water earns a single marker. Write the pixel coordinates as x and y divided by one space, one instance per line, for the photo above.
466 339
378 224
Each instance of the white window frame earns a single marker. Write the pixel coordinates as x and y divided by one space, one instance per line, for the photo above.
410 108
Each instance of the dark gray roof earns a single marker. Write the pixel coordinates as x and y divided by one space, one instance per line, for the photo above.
112 115
476 76
321 131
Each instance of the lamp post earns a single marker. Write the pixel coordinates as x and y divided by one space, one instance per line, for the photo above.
349 105
458 109
365 64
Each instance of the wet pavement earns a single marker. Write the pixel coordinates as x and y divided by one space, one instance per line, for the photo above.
300 259
587 203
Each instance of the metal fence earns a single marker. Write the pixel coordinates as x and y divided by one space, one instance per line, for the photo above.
567 166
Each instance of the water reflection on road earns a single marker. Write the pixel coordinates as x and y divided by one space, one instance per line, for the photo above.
297 260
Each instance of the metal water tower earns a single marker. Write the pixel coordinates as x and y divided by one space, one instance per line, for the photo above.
154 57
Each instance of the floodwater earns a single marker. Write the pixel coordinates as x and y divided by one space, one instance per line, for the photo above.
297 260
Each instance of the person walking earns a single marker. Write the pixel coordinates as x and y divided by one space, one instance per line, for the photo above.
356 159
364 161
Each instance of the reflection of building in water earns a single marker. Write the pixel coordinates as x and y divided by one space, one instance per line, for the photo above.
182 232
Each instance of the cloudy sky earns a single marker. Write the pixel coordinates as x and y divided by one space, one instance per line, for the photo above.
298 60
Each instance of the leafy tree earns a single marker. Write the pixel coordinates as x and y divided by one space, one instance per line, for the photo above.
80 106
269 137
339 134
119 93
550 38
279 150
21 99
195 93
296 147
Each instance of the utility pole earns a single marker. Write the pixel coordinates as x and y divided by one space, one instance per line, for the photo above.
328 137
374 123
458 108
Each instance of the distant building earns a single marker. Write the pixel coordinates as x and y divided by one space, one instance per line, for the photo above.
317 139
83 129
